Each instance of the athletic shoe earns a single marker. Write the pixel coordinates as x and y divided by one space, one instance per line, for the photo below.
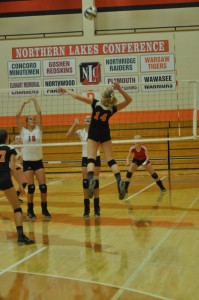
20 201
31 215
86 213
122 191
163 190
86 216
24 240
91 186
97 213
46 214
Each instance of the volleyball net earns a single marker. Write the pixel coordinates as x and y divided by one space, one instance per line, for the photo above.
159 111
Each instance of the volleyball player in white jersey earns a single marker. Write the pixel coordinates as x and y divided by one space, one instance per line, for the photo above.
83 135
32 157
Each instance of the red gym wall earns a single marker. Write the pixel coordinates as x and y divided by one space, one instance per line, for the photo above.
16 8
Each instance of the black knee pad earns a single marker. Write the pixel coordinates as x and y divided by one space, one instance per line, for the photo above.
85 183
111 162
16 210
43 188
129 174
96 184
154 175
91 160
31 189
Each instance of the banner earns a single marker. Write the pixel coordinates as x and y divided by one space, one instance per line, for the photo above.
162 62
25 88
91 49
120 64
59 67
24 69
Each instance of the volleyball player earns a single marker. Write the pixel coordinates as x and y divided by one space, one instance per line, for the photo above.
7 163
83 135
140 157
99 132
33 166
18 164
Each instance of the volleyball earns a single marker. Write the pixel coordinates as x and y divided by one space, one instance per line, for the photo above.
91 12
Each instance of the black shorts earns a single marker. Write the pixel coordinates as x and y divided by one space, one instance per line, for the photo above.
99 135
6 183
97 162
139 162
32 165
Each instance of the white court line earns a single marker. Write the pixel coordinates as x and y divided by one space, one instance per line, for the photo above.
98 283
155 249
53 182
22 260
88 281
146 188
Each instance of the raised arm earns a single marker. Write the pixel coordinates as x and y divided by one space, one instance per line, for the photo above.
75 96
18 115
38 110
72 129
127 97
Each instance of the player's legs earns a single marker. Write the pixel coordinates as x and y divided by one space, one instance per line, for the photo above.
30 193
108 153
96 192
30 181
92 147
85 184
148 167
132 168
107 148
22 178
41 179
85 191
13 200
96 176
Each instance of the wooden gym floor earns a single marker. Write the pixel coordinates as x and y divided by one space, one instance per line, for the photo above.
142 248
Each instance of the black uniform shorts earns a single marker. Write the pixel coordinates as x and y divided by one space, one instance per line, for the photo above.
99 135
6 183
32 165
139 162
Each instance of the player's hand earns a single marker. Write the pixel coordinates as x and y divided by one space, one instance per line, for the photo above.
26 101
76 121
33 97
128 164
116 86
62 90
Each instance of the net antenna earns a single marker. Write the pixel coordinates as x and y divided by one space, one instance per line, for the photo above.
178 113
159 111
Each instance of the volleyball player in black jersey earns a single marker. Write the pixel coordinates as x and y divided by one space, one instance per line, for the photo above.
7 165
99 131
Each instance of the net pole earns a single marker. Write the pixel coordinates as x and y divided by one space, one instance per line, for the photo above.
195 107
